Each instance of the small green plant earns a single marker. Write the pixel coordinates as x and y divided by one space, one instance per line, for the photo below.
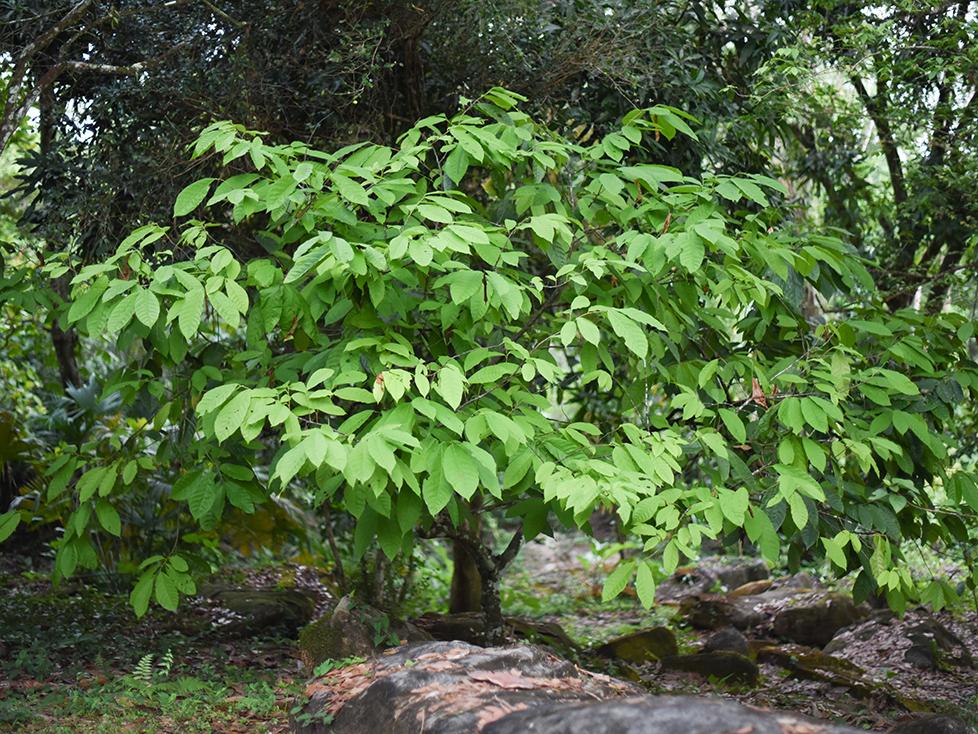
329 665
147 673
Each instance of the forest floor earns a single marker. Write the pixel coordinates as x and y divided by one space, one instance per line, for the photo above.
76 661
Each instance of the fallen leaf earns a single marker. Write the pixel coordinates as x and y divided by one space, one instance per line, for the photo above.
503 679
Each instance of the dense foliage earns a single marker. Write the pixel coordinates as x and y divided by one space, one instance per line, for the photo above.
431 317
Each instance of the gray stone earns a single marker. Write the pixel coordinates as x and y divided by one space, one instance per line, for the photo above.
266 611
729 639
729 667
933 724
814 619
934 646
456 688
658 715
710 612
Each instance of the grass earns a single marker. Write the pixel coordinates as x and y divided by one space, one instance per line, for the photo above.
78 662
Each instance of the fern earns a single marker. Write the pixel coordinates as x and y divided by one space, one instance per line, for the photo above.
165 664
143 671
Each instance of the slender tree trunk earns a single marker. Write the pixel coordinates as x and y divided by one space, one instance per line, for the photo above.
490 567
466 589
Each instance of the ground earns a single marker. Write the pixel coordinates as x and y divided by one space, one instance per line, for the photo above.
75 659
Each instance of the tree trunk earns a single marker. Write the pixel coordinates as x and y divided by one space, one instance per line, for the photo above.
467 586
489 567
466 590
65 343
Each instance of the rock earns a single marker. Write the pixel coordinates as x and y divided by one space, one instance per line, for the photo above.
455 688
445 688
658 715
710 612
729 639
751 588
934 646
933 724
264 611
641 647
735 572
813 619
463 626
727 666
712 573
550 634
352 630
808 664
800 580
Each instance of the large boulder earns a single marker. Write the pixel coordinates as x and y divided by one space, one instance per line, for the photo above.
658 715
456 688
813 619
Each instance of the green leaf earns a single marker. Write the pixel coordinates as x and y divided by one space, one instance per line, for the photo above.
191 311
191 197
692 253
645 585
588 330
734 424
450 386
122 314
147 307
436 493
166 592
381 453
140 595
617 580
631 333
734 504
8 523
215 398
231 416
290 463
835 553
350 190
492 373
799 511
108 518
460 470
814 415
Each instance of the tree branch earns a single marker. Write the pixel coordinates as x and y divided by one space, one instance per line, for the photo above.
885 134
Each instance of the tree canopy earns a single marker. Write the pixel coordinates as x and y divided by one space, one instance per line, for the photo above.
428 265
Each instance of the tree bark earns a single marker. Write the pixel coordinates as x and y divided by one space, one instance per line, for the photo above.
466 592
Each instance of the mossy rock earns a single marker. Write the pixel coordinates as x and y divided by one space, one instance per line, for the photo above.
641 647
353 629
330 638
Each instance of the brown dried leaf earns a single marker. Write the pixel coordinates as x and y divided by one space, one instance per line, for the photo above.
757 394
505 679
